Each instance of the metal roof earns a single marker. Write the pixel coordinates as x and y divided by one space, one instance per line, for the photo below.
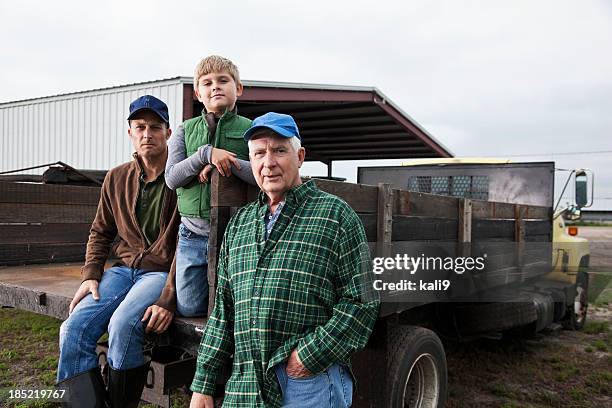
342 122
336 122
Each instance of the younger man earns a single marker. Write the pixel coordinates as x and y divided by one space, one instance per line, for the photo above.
213 138
139 211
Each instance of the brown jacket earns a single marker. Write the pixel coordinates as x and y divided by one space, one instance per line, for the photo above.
116 217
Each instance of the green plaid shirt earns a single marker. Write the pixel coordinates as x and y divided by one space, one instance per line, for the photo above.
302 287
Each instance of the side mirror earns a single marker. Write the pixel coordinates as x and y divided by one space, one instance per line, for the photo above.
581 184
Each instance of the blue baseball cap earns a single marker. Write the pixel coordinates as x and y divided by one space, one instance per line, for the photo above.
149 102
280 123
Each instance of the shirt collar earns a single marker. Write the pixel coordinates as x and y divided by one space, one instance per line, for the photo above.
209 116
141 171
295 195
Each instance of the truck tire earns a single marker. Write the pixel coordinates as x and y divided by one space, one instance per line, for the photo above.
489 317
577 310
416 364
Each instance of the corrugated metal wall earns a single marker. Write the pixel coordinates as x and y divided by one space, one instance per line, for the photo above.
87 130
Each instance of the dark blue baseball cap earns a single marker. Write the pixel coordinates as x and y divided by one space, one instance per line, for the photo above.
280 123
149 102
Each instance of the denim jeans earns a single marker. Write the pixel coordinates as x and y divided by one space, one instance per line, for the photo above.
333 388
125 294
191 273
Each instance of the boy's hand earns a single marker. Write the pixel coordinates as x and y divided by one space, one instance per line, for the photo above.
223 161
204 175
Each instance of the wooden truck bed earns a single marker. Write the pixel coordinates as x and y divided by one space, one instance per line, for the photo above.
46 223
47 289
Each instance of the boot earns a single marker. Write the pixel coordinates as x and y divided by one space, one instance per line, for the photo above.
84 390
125 386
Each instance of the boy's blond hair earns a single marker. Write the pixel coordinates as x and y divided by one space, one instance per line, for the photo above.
215 63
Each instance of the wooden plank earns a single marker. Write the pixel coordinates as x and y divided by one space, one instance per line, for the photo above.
538 238
25 193
409 228
369 225
219 218
496 228
426 205
537 227
29 178
30 300
464 221
59 278
16 254
488 209
483 229
384 220
46 213
362 198
49 233
230 191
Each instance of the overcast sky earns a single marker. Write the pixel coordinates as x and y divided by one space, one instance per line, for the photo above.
486 78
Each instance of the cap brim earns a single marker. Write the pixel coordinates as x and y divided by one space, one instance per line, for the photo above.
149 109
277 129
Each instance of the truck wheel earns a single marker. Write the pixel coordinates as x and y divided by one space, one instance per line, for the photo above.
577 311
417 368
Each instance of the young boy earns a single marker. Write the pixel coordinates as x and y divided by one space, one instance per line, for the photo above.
211 139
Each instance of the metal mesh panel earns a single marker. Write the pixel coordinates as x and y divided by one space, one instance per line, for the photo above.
476 187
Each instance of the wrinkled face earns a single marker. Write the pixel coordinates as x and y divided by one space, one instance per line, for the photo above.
218 91
149 134
275 164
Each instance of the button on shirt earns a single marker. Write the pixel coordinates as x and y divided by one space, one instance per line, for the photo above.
301 288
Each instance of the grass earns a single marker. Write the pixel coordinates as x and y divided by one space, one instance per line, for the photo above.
28 353
596 327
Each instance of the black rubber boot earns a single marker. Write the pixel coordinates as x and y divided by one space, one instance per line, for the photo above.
85 390
125 386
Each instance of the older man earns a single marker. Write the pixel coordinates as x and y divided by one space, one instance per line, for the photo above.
139 211
289 302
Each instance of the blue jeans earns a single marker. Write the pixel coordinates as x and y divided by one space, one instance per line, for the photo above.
125 294
191 273
333 388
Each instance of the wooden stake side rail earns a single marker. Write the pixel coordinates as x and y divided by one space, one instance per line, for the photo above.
45 223
391 215
50 223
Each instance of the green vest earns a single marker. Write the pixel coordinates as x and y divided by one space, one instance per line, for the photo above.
194 198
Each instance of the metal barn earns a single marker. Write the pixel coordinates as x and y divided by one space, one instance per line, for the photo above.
87 130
